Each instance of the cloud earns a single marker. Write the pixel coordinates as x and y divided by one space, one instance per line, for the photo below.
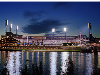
38 24
42 27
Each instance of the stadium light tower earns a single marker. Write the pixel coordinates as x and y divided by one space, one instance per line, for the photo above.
65 32
10 27
53 30
6 23
16 29
90 28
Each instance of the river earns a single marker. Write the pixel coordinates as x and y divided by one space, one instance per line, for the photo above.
53 63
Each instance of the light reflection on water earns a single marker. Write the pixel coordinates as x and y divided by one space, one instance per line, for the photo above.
53 62
64 60
89 66
13 63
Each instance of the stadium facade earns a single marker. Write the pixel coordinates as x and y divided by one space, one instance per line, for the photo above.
11 39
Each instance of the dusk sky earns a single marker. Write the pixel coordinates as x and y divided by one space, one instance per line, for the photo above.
38 18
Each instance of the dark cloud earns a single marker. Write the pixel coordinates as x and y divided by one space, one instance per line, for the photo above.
37 24
33 16
33 20
61 4
42 27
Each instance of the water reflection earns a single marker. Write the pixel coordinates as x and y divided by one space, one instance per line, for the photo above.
0 60
32 57
43 59
27 59
13 64
64 60
53 62
89 68
38 58
98 59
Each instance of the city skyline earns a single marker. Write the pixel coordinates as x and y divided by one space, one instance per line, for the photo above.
38 18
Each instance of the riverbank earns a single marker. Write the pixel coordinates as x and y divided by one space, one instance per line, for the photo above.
43 48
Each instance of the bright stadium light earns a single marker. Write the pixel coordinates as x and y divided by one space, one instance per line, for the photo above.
64 29
11 25
65 32
17 27
89 24
6 22
53 30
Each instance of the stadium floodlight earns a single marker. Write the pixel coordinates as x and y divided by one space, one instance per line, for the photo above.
53 30
17 27
11 25
65 32
89 25
6 22
64 29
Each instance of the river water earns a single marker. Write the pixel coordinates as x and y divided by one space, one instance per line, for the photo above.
53 63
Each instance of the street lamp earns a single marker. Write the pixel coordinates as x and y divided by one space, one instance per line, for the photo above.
65 32
53 30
